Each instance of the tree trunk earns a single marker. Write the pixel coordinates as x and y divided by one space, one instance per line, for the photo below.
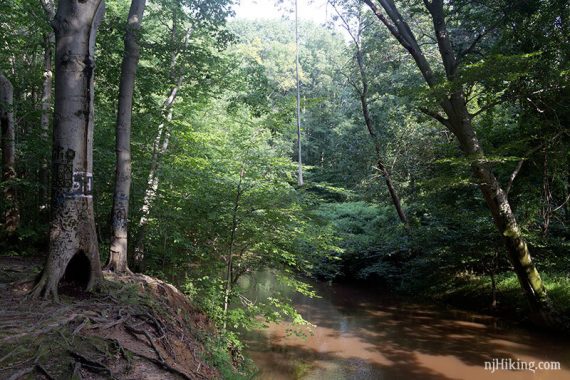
298 114
120 214
72 229
363 95
44 119
505 221
373 135
49 39
11 214
161 141
230 263
459 122
159 148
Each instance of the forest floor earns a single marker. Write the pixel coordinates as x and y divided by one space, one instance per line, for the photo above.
136 327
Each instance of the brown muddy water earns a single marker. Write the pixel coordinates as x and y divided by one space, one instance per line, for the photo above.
359 334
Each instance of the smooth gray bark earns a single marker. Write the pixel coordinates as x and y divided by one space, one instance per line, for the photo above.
161 142
44 119
46 103
72 229
12 213
120 213
159 148
230 261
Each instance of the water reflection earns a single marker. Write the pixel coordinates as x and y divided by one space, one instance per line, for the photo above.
361 335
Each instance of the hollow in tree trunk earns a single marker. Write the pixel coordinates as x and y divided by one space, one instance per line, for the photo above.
72 228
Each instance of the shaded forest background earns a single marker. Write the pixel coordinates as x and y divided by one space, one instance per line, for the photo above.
224 159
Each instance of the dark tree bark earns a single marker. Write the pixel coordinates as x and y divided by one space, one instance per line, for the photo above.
374 136
12 213
72 228
459 121
362 91
120 214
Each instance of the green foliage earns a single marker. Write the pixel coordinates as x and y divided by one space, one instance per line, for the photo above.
227 181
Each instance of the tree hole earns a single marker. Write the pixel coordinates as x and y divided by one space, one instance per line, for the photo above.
77 274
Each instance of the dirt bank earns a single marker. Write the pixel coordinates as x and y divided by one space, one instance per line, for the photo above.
135 327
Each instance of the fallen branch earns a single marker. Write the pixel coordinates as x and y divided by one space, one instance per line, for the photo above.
81 325
76 371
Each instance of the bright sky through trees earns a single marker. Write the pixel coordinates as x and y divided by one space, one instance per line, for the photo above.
315 10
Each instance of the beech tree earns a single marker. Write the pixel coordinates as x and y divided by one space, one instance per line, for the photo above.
73 238
120 213
12 214
187 24
160 145
459 121
46 100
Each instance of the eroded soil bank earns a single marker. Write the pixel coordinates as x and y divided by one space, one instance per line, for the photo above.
136 327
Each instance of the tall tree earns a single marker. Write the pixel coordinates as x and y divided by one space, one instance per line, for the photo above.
46 100
459 121
162 139
12 214
298 114
120 214
230 262
362 90
72 230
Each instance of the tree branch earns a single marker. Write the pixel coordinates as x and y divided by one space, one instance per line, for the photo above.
49 8
378 13
526 157
436 116
487 107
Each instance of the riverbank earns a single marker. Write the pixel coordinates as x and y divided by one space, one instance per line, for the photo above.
363 333
506 301
476 293
137 327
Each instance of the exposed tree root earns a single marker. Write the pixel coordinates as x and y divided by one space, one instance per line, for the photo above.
91 364
21 373
138 319
44 371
